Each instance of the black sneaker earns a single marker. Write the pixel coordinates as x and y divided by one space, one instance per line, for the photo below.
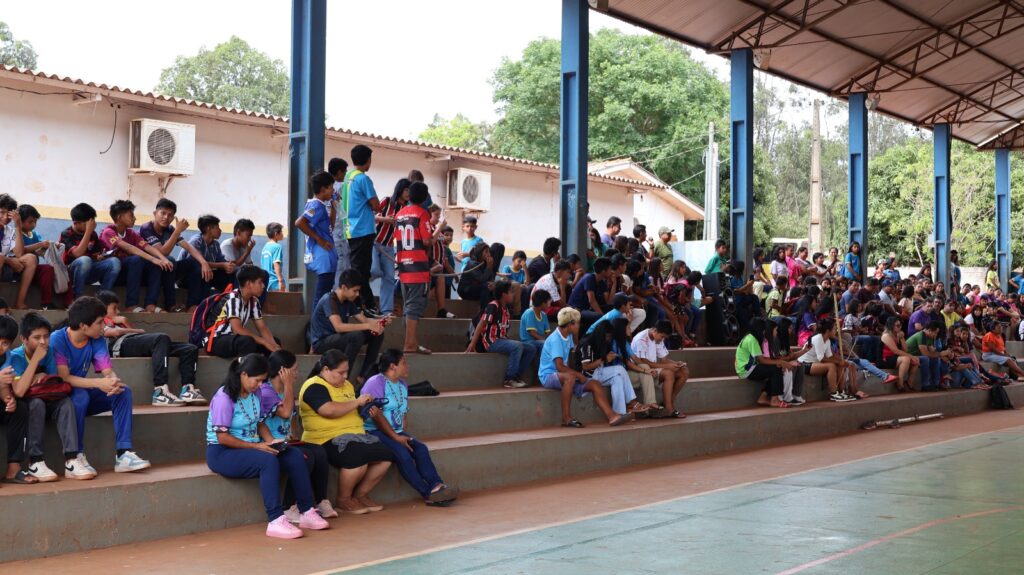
372 313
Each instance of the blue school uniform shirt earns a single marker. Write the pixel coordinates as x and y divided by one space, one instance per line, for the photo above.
466 246
397 394
611 315
529 321
18 361
519 276
555 346
78 359
270 399
360 214
271 253
239 418
318 260
854 261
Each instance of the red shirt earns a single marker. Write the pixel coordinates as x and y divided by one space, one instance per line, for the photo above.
495 318
386 231
111 240
412 228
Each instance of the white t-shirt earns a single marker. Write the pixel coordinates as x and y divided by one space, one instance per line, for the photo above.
227 247
820 350
646 348
779 269
548 283
7 243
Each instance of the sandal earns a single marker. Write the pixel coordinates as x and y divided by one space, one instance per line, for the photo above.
781 404
419 349
674 415
620 419
573 423
21 478
861 395
639 408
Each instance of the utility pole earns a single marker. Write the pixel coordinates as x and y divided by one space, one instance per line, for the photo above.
711 165
815 234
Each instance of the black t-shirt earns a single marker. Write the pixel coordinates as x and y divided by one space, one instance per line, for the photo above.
538 268
316 396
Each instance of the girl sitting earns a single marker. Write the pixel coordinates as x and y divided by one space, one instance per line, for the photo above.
895 354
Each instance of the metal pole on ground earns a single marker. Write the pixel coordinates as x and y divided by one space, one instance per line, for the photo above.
741 165
573 131
1004 256
858 178
942 214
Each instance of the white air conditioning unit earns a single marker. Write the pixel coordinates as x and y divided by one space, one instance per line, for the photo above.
159 147
469 190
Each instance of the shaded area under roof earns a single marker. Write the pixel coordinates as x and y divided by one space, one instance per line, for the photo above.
929 62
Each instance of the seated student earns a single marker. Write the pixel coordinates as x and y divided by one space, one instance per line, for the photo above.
126 341
753 364
315 221
238 250
32 363
556 284
491 335
84 254
277 401
863 364
541 265
516 271
271 258
478 275
239 445
576 269
591 293
330 417
15 262
554 371
164 232
16 415
77 347
141 263
777 346
622 307
339 323
993 349
388 425
231 338
34 244
604 358
933 368
819 360
649 349
964 370
206 244
534 328
864 338
895 354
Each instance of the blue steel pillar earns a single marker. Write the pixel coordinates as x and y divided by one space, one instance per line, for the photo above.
306 140
574 126
741 165
1003 254
943 215
858 178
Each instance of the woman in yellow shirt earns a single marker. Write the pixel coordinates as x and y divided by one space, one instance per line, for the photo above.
330 416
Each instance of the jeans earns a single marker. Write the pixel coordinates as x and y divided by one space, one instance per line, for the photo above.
691 327
157 347
361 253
932 370
135 272
248 463
416 467
324 284
865 365
17 428
86 271
615 378
62 412
537 345
344 258
92 401
350 343
188 273
519 356
384 269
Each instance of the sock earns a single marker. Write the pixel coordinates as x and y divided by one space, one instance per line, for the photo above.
68 455
121 452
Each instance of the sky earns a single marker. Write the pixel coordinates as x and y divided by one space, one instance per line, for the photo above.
391 64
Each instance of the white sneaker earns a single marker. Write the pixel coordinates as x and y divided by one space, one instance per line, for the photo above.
191 395
42 472
76 469
450 315
798 399
128 462
85 462
326 509
519 384
292 514
163 397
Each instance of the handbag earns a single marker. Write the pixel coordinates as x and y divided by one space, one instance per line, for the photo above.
61 277
51 388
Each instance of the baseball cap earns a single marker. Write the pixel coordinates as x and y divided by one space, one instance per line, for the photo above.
665 230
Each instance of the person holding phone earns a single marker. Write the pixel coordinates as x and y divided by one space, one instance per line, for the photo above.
240 445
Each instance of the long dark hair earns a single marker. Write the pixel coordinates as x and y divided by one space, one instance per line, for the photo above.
331 359
280 359
497 254
619 336
402 185
771 334
758 329
252 364
599 339
388 358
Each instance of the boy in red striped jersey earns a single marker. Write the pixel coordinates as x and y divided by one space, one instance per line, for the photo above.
491 335
415 244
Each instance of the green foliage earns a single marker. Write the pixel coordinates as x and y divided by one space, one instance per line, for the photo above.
13 52
458 132
233 74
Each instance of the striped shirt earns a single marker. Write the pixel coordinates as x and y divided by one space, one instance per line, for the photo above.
412 225
385 230
496 319
235 306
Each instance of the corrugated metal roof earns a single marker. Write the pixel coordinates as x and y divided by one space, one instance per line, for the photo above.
52 83
958 62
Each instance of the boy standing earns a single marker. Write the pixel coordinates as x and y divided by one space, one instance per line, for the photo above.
75 348
271 257
140 262
315 222
491 336
14 412
126 341
719 259
470 241
663 251
32 363
362 207
83 252
414 241
337 168
14 260
231 338
163 232
445 259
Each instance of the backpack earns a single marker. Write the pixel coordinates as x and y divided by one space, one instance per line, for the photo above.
51 388
204 322
998 398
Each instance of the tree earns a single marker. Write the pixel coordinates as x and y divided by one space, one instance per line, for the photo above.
459 132
234 75
13 52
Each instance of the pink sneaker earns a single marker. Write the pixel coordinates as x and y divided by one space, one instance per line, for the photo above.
281 529
312 520
326 509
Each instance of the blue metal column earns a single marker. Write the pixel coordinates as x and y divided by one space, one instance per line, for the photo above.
1003 254
574 125
943 215
858 179
306 140
741 165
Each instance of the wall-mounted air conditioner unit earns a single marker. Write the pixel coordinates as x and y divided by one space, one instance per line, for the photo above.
469 190
160 147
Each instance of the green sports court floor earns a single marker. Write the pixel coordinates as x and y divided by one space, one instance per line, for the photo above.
951 508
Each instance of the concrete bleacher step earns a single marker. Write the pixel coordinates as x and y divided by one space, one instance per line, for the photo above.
186 498
282 303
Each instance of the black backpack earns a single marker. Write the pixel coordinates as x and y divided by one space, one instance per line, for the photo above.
999 399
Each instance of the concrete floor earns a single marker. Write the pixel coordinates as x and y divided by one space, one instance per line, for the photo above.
937 497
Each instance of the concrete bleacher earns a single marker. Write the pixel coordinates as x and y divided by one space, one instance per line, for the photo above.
482 436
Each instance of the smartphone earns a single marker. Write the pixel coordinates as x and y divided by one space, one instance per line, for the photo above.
279 446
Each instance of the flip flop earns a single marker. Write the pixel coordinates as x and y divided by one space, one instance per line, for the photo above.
573 423
20 478
420 350
624 418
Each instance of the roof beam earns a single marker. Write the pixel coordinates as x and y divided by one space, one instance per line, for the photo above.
1012 139
760 23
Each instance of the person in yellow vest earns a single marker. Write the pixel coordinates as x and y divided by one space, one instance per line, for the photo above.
330 413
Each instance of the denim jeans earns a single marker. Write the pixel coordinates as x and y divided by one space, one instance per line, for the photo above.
92 401
519 356
932 370
384 269
246 463
136 272
865 365
416 467
615 378
87 271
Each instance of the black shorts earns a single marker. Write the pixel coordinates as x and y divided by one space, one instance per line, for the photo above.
357 454
807 368
888 362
